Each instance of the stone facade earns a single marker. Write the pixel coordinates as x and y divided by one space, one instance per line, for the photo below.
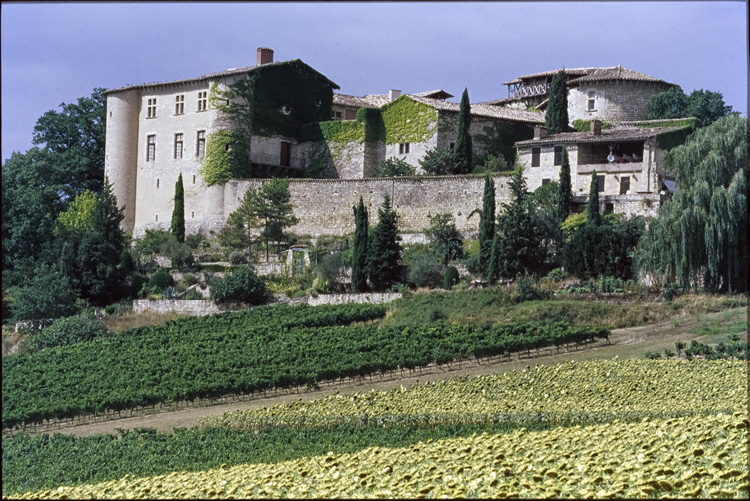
194 307
614 100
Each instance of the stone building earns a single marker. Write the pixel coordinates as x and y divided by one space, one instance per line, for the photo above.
610 94
627 161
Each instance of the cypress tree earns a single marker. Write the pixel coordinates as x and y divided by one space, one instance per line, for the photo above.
462 150
178 214
359 261
556 118
486 223
592 213
565 192
384 251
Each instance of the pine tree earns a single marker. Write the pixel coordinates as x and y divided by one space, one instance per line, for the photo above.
359 259
462 151
487 223
384 251
556 118
592 213
565 192
178 214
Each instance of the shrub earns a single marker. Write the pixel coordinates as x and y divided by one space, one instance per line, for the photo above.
437 162
394 167
160 280
193 295
237 257
527 290
242 285
180 253
491 164
65 331
450 278
196 240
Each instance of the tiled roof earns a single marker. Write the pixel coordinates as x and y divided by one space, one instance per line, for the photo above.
607 135
436 94
483 110
368 101
580 75
215 75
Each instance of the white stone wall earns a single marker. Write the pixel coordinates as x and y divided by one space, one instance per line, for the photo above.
121 147
195 307
617 100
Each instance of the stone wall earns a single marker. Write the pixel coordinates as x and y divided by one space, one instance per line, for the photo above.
617 100
182 306
372 298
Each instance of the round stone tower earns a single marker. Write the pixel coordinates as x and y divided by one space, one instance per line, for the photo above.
120 164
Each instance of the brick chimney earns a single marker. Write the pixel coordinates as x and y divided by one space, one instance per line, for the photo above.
540 132
265 55
393 94
596 127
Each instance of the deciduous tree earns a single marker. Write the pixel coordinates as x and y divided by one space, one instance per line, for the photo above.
444 237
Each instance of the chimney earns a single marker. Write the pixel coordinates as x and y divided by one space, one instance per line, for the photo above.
265 55
393 94
596 127
540 132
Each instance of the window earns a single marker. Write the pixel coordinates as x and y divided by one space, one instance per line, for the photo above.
609 208
558 155
286 154
157 218
157 184
151 108
592 101
624 185
452 146
535 155
193 178
545 182
178 145
600 183
179 104
336 115
192 214
151 148
201 144
203 100
403 148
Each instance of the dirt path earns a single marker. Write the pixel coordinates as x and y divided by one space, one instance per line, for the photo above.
626 343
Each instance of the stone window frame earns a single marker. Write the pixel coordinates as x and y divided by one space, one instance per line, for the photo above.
404 148
179 104
591 103
179 145
202 100
546 181
336 115
600 184
558 155
151 148
624 185
200 144
536 156
151 107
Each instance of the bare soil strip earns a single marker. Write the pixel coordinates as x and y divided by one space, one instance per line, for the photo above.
625 343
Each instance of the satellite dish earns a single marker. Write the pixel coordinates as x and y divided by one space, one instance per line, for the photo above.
611 158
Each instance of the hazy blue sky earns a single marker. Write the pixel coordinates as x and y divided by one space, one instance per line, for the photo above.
55 53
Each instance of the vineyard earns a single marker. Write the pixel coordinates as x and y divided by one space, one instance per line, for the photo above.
245 353
588 429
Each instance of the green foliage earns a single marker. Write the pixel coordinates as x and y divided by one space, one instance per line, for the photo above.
437 162
227 157
423 267
161 279
319 166
178 252
408 121
671 103
491 164
699 237
706 106
462 160
486 225
593 251
152 241
48 295
374 124
65 331
450 278
556 118
574 222
527 289
337 131
581 125
444 237
383 249
178 214
394 167
359 258
499 139
79 217
241 285
565 189
593 216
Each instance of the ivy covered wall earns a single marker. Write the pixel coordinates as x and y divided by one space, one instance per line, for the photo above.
408 121
227 157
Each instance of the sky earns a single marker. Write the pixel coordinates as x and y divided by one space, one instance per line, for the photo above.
54 53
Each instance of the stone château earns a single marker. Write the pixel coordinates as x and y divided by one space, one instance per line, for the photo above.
157 131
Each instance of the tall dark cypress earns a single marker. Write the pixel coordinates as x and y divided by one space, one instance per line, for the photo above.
592 213
565 191
384 251
462 150
359 260
486 223
556 118
178 214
